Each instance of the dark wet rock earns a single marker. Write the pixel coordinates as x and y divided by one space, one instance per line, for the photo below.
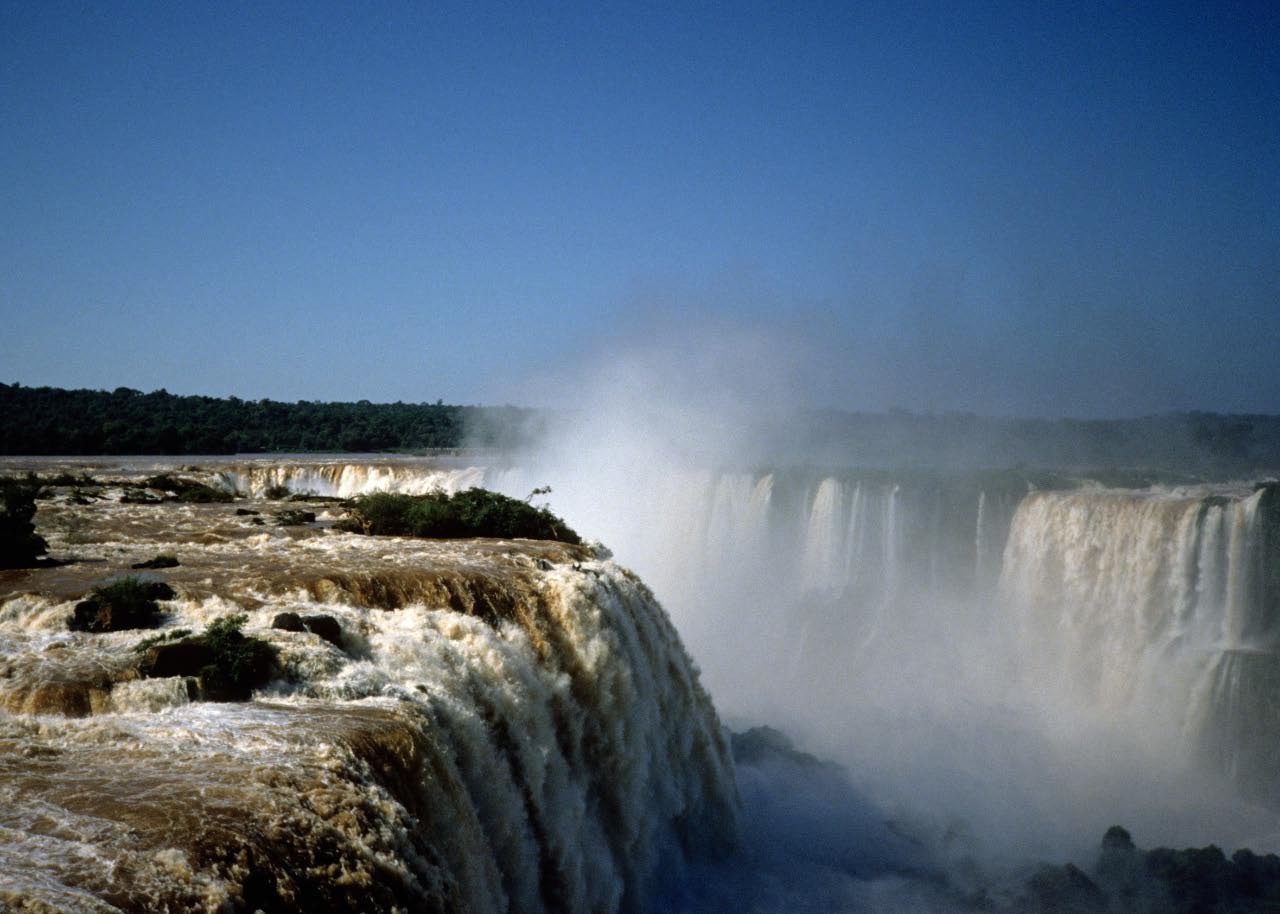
320 624
763 744
176 658
187 490
205 495
20 545
1063 890
159 590
245 512
69 699
1117 839
96 617
1157 881
324 626
294 518
288 622
160 561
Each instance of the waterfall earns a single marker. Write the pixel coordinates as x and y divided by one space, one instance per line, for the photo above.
344 480
1110 601
1153 603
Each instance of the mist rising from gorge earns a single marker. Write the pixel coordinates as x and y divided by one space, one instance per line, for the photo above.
698 463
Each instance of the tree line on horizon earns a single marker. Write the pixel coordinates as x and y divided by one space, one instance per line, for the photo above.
53 421
39 421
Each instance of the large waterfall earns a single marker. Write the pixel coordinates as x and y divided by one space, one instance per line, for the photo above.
1004 660
1157 605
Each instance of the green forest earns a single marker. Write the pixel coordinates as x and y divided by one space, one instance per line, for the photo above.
38 421
50 420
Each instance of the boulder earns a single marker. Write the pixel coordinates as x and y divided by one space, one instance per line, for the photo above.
319 624
294 517
176 658
160 561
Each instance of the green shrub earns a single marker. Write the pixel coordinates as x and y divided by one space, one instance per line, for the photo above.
276 493
205 494
125 603
165 483
239 664
228 663
438 515
147 644
313 497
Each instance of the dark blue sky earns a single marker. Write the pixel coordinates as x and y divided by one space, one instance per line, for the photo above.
1012 208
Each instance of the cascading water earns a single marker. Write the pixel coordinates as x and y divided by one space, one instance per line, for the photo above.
344 480
532 703
1155 605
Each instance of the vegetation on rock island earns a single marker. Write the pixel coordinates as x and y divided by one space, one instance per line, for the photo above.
228 663
187 491
125 603
462 515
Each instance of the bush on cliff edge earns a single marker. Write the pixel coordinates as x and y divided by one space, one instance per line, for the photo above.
439 515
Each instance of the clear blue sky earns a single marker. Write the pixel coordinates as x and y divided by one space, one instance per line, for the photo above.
1013 208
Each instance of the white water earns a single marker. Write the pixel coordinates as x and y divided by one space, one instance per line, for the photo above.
345 480
1139 606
